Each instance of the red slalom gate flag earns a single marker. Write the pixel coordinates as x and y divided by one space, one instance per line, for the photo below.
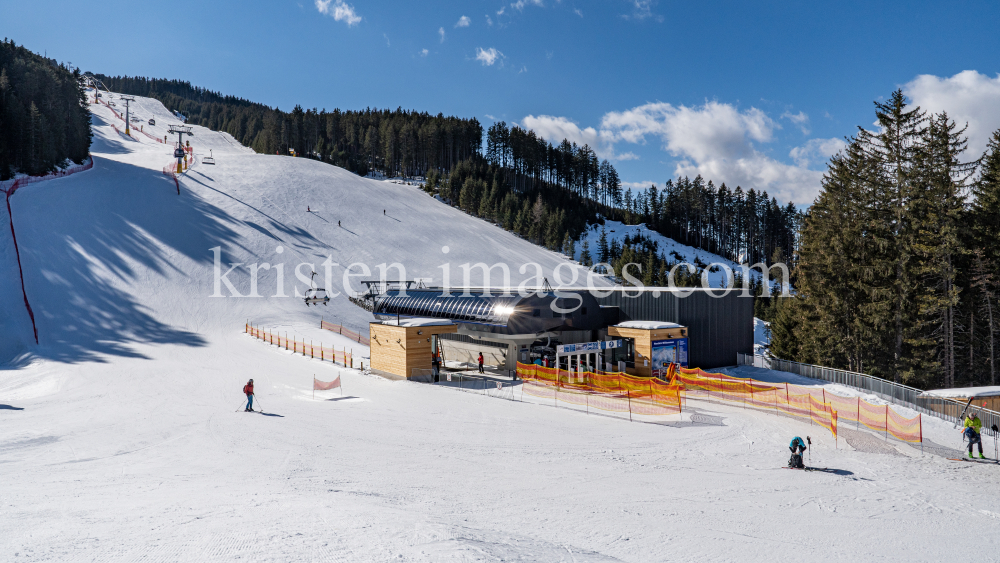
324 386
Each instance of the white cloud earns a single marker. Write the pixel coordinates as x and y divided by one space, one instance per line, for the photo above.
642 9
555 129
520 4
816 151
488 56
578 12
717 141
699 133
490 117
339 11
800 119
489 20
524 69
441 33
968 97
463 21
387 43
424 52
640 186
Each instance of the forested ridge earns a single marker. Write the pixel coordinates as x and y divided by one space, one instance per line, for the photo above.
44 118
898 262
548 193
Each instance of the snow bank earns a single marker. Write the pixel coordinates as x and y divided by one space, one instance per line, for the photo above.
647 325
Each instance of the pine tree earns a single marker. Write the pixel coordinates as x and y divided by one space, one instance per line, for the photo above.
585 258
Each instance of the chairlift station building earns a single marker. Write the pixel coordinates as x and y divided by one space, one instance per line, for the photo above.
636 330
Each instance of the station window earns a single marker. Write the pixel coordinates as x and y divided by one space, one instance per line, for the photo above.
536 312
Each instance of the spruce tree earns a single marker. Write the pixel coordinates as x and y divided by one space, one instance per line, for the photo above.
934 218
585 258
894 149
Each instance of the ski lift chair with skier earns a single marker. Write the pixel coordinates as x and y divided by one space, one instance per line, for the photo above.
315 295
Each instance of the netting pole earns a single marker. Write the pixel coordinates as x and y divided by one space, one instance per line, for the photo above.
629 405
920 425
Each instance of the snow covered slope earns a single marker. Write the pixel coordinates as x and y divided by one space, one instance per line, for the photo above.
668 247
114 256
120 438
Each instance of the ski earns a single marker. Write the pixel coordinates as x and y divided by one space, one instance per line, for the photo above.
974 460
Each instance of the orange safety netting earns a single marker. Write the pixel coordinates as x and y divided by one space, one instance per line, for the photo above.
321 352
803 402
614 392
781 398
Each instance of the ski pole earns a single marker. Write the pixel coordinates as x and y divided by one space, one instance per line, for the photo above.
242 405
809 440
258 402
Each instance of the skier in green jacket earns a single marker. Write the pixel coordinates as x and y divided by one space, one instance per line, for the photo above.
971 430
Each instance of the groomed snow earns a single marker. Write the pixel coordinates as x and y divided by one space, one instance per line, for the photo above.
122 436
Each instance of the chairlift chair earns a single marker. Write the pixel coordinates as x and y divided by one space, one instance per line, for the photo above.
152 122
208 159
315 295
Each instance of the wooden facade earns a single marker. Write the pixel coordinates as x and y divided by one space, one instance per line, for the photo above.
643 339
401 349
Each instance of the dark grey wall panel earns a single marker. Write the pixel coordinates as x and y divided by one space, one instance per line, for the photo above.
719 326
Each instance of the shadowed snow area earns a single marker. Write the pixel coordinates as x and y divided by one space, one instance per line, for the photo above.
122 435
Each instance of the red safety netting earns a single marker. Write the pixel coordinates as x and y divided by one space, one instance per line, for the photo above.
355 336
344 357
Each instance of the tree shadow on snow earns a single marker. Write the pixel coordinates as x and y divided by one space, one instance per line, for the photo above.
79 253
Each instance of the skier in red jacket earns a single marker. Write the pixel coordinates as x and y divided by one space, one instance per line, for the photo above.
248 390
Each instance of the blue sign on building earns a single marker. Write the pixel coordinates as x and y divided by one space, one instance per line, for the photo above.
666 352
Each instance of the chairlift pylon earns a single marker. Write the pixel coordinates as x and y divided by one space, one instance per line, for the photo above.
315 295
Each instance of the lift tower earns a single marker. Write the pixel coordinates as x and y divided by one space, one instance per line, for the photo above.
179 153
126 99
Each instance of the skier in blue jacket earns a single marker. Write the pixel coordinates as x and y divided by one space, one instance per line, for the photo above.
797 446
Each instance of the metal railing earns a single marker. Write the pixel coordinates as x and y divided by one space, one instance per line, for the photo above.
904 395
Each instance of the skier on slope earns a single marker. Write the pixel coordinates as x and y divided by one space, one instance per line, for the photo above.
481 363
798 447
248 390
971 430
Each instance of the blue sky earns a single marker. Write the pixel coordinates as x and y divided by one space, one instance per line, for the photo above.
750 93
